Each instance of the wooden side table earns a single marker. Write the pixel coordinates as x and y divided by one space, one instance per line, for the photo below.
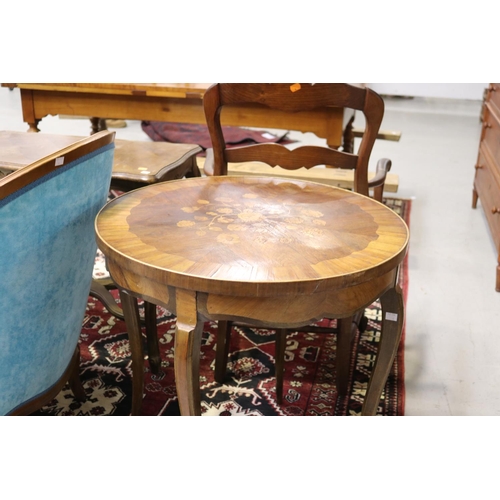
268 251
136 163
140 163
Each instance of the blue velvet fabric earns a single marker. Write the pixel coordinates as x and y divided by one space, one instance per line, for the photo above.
47 251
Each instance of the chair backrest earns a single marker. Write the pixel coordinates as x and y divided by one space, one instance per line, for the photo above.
47 253
286 98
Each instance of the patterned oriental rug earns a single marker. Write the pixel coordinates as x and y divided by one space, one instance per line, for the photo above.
309 387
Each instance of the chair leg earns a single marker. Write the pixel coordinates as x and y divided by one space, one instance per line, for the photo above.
152 337
222 349
132 321
280 362
75 383
345 336
361 321
344 351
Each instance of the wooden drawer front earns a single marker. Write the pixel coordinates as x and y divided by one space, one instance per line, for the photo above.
494 94
489 193
491 134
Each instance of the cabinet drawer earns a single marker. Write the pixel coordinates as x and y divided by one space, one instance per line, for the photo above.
491 133
489 193
494 94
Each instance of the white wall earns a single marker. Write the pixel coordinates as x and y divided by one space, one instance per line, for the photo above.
447 90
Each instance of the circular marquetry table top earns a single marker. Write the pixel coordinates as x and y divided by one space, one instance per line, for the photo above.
251 235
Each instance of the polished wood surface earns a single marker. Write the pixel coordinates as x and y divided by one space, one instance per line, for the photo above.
136 163
174 102
270 251
487 169
139 163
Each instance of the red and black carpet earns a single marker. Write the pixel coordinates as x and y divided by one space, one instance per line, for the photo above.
309 387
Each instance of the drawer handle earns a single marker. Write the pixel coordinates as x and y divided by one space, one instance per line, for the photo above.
495 210
479 166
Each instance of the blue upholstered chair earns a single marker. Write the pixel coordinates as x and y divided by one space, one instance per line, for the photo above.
47 252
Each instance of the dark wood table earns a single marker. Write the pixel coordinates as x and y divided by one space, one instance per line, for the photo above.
266 251
169 102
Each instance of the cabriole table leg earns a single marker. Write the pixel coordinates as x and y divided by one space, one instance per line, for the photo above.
187 353
392 327
132 321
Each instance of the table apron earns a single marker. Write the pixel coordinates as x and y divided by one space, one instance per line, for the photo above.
141 287
295 311
278 311
39 103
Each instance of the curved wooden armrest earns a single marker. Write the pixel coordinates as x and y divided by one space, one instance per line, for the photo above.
208 167
383 166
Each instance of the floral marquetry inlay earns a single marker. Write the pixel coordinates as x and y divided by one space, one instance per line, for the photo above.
229 217
236 224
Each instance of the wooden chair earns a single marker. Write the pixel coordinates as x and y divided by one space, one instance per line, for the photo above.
47 243
297 98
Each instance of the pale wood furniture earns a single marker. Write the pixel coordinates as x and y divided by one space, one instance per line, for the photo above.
291 99
211 248
487 175
47 248
332 176
174 102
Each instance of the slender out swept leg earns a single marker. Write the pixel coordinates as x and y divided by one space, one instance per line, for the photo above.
132 321
152 337
222 349
279 360
343 358
187 353
75 383
392 327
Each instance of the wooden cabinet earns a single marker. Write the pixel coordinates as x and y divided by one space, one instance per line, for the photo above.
487 177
